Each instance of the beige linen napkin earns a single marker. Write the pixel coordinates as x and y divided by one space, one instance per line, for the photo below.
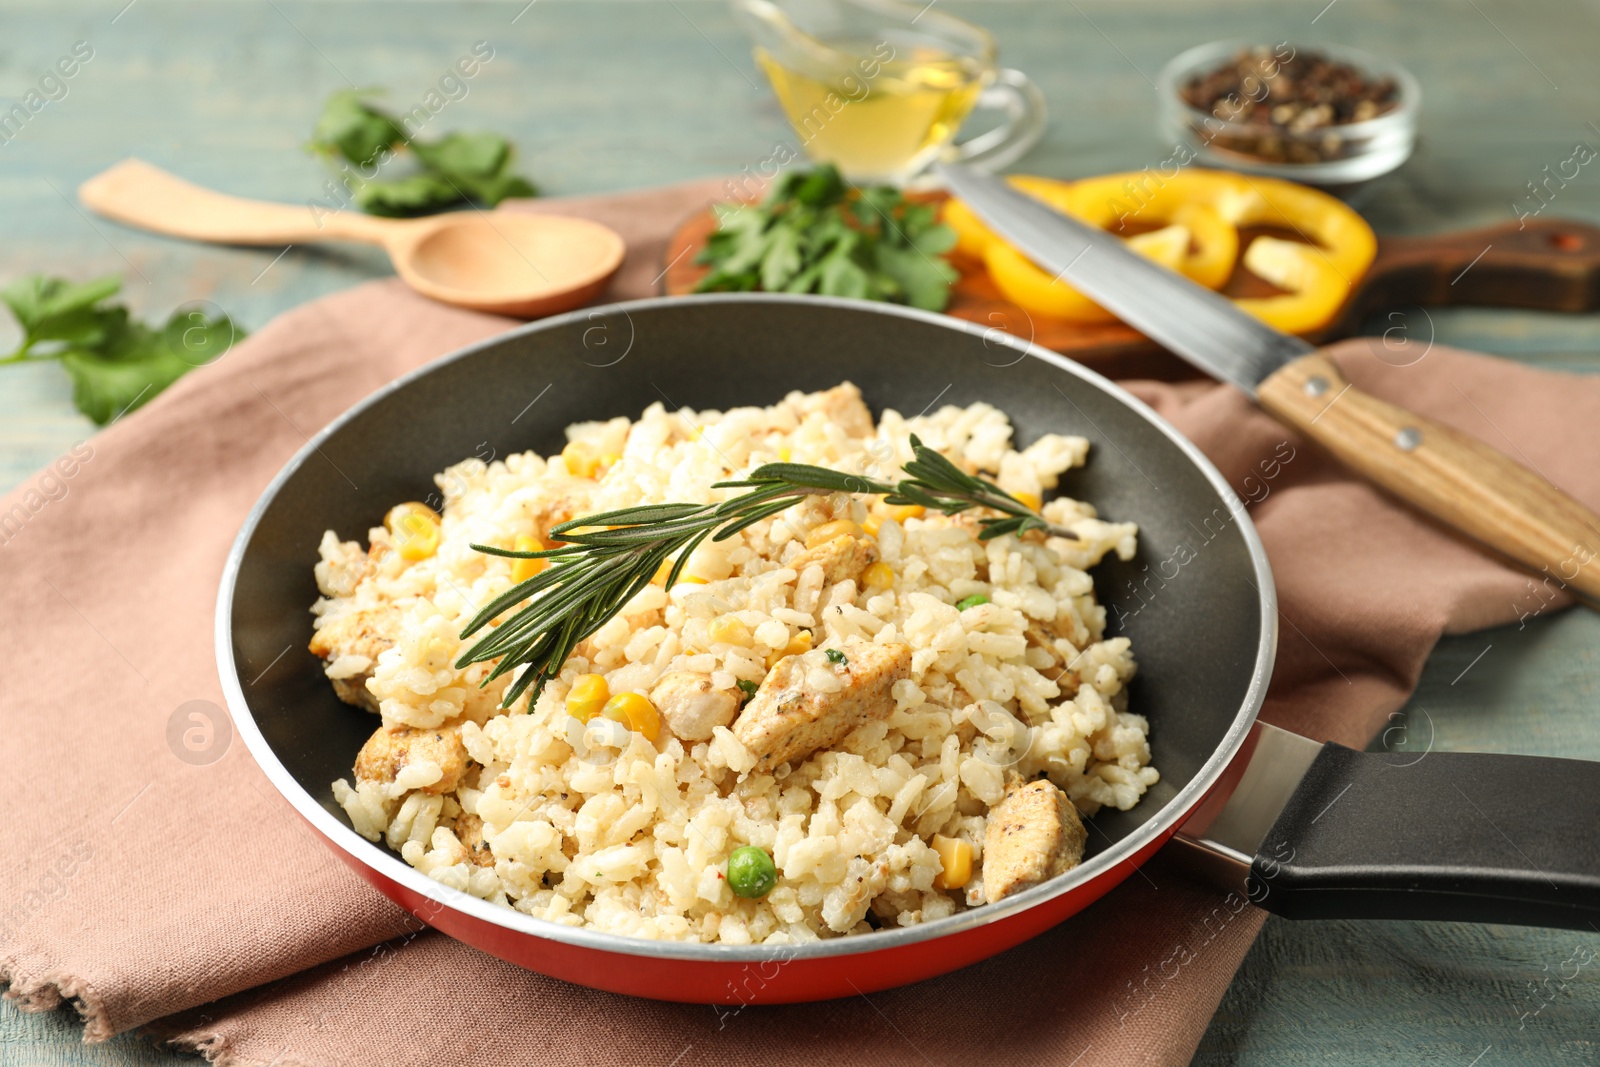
183 896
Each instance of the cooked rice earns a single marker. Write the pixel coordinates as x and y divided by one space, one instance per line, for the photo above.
633 840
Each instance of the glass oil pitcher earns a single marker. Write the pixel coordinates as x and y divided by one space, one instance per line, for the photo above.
879 87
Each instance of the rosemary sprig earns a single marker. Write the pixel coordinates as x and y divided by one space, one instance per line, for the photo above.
606 559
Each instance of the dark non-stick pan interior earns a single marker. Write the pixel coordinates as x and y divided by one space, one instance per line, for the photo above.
1188 601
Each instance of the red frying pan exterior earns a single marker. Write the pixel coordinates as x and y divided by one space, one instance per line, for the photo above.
773 981
1208 653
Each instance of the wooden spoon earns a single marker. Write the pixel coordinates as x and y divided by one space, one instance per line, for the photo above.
502 262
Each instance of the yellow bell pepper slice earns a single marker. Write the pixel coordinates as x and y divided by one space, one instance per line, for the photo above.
1200 212
1315 287
1197 241
1336 247
1214 243
1030 288
1213 246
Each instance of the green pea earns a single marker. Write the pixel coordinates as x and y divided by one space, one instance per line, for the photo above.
751 872
971 602
835 656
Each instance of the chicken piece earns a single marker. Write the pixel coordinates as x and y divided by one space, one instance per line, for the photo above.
692 706
356 632
554 512
469 831
1044 635
1034 834
392 748
843 407
788 719
845 556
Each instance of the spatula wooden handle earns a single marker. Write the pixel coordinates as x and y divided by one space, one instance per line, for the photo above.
139 194
1456 479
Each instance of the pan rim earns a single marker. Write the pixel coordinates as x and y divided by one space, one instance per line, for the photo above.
338 834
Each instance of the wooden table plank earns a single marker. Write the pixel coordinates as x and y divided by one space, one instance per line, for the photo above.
608 96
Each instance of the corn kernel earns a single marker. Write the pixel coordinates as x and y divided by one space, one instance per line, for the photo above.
635 712
665 569
580 460
587 696
829 530
730 629
785 454
901 512
523 569
799 644
410 507
872 524
1029 500
415 528
956 857
878 576
609 460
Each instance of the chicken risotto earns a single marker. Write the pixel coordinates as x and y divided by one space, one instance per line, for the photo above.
849 715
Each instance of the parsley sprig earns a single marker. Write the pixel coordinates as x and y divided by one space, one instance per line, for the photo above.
608 558
816 233
452 169
116 363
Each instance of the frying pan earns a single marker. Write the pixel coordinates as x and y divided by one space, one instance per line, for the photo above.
1305 829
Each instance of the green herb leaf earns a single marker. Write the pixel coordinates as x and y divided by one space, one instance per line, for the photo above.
456 168
53 309
835 657
815 233
466 155
111 381
782 260
353 128
116 364
418 194
747 687
925 281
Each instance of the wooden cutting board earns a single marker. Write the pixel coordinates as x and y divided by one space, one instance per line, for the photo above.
1547 265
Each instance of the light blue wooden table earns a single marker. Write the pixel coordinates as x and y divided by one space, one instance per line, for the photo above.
610 95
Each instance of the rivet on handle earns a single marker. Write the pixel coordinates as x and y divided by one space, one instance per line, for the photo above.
1408 439
1316 385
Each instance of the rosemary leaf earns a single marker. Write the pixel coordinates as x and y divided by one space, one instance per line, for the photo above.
607 559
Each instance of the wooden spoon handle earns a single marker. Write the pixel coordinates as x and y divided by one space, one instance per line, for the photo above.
136 193
1450 476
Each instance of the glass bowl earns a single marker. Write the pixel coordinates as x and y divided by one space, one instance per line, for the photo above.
1334 155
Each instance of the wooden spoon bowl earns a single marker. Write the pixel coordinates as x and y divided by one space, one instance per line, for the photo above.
509 264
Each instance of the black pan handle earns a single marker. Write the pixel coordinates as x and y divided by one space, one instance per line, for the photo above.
1463 836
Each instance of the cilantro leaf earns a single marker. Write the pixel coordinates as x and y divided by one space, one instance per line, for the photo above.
781 261
456 168
107 382
115 363
416 194
52 309
354 128
924 281
815 233
465 155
